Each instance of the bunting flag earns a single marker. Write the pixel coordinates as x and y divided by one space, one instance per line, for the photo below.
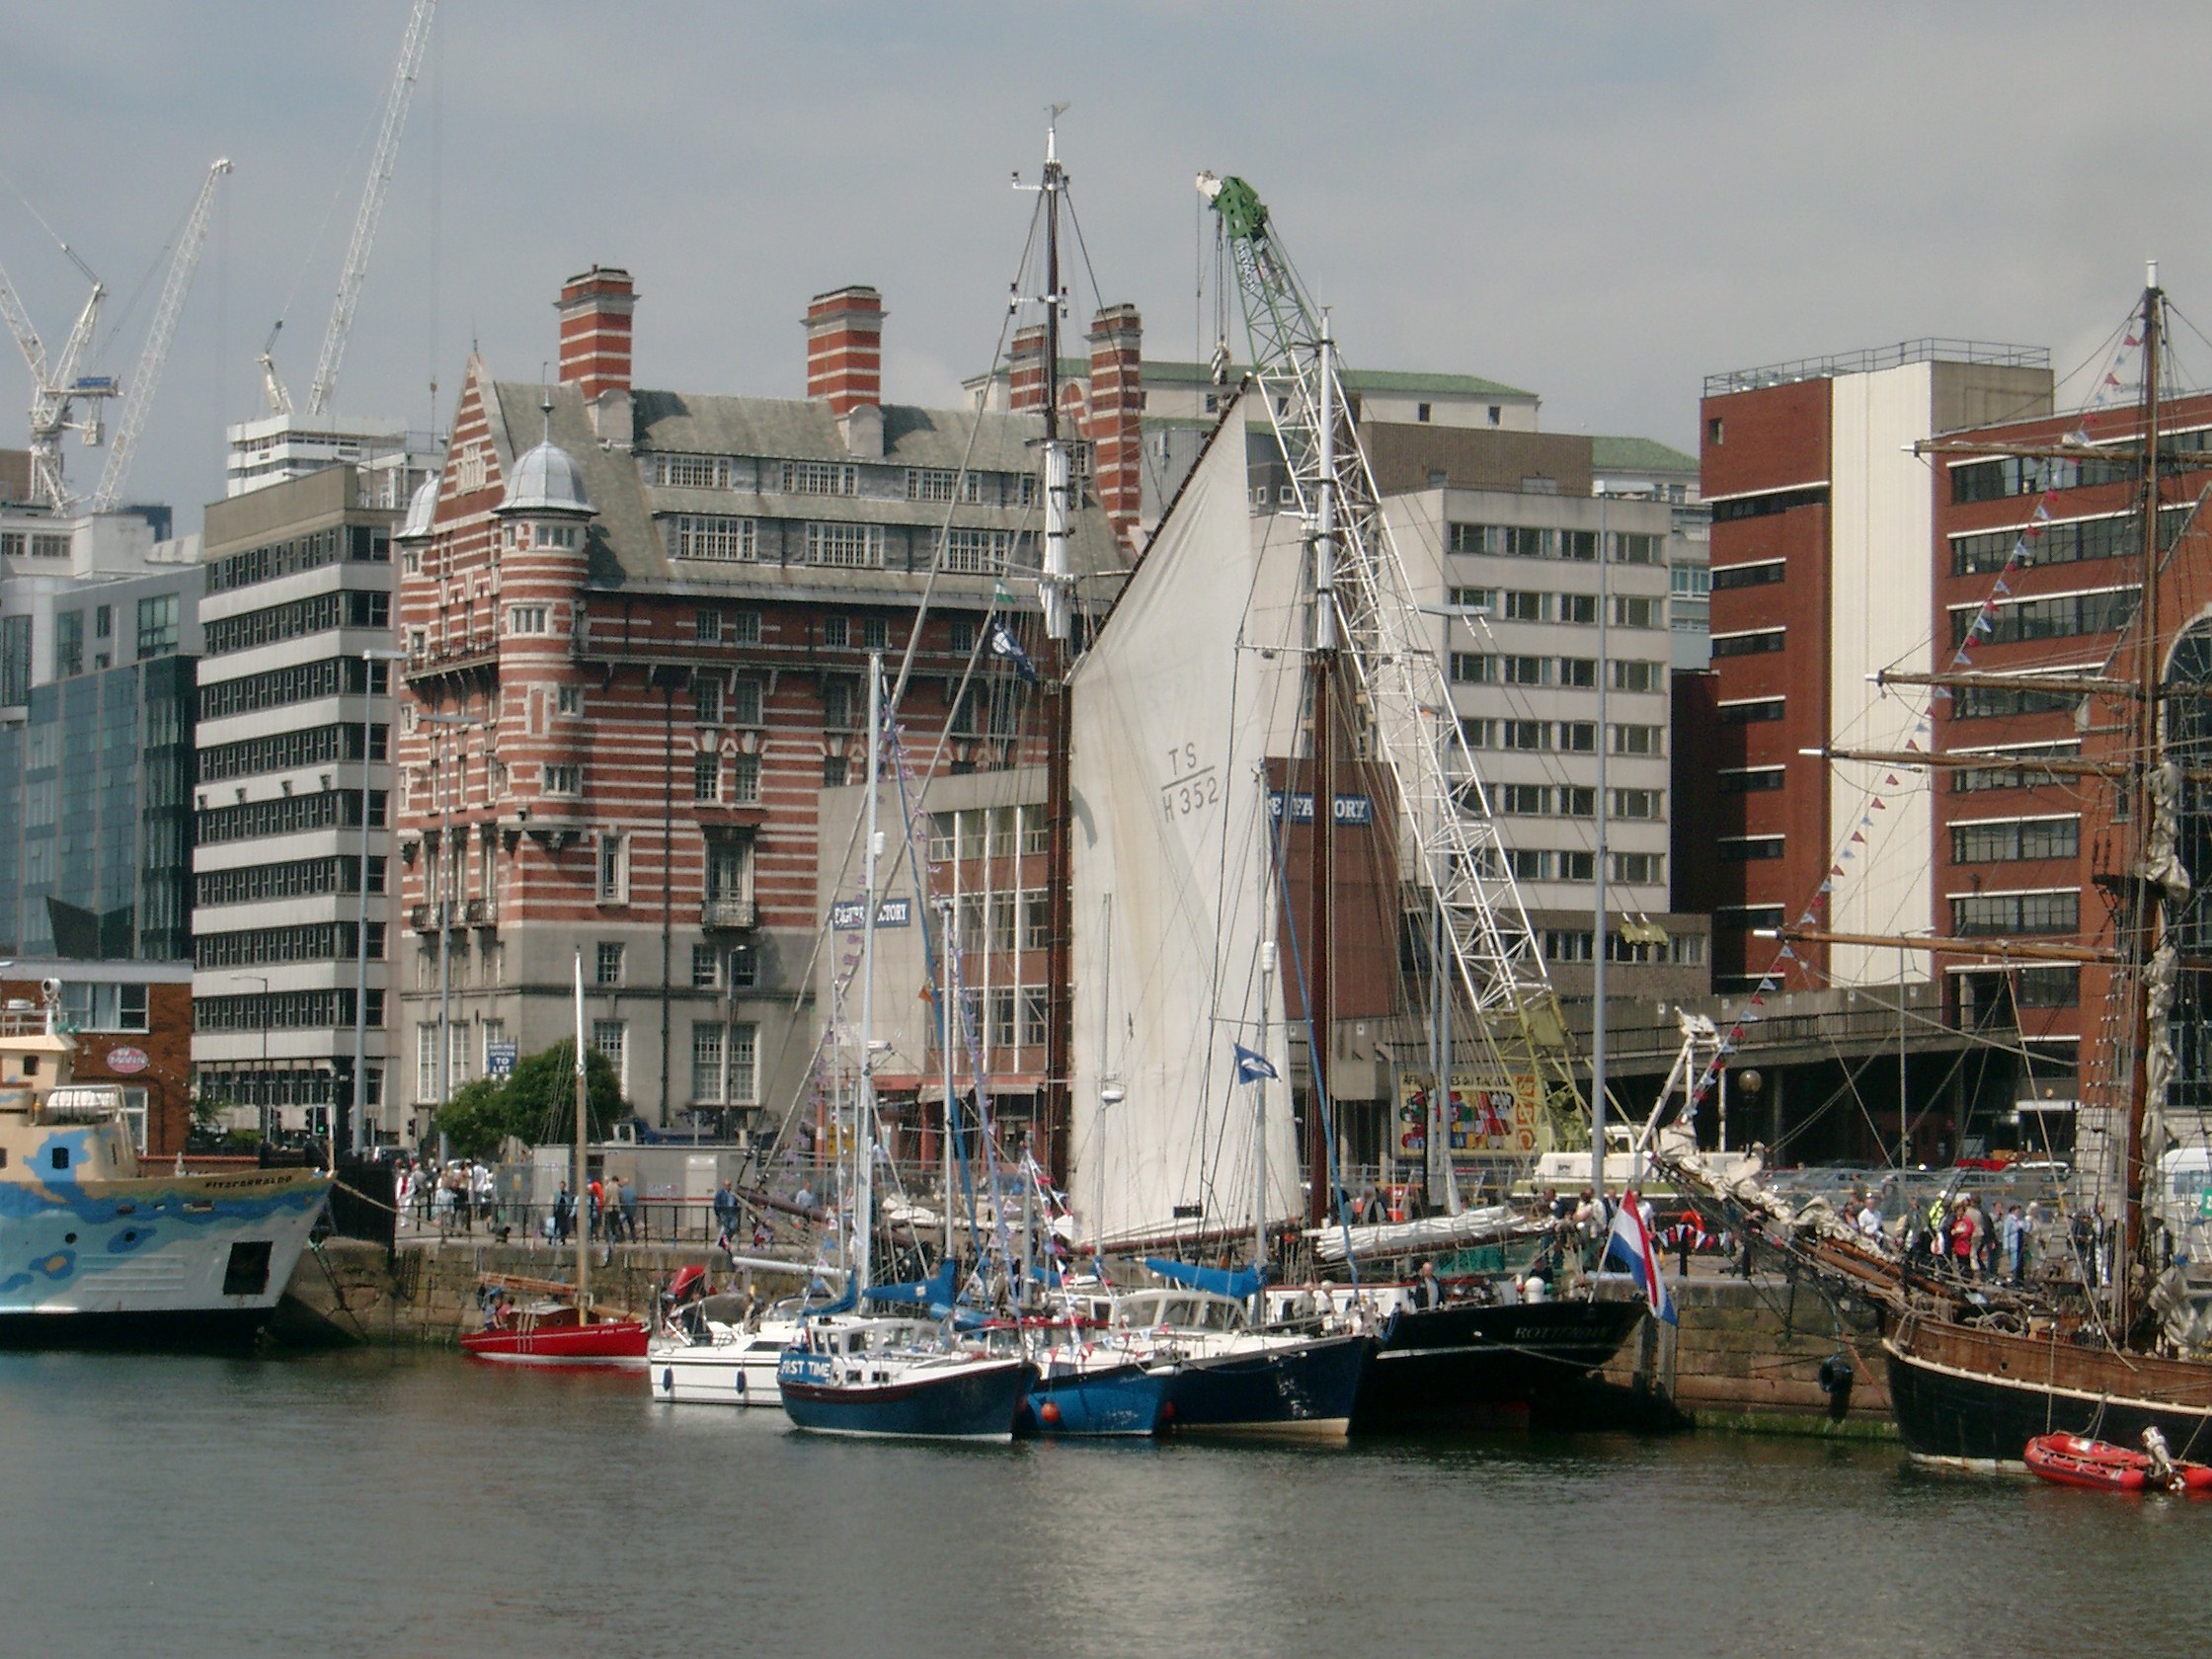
1891 779
1858 838
1880 804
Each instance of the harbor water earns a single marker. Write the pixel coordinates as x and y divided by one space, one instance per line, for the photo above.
401 1504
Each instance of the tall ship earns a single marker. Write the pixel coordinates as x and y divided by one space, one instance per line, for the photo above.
96 1251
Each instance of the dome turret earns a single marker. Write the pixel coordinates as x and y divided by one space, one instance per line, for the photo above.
422 508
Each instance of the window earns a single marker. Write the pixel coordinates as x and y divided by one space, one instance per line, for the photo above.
1577 866
846 546
2071 542
837 632
1762 573
1579 545
695 535
1985 702
611 1038
874 633
1997 840
158 615
1631 547
1633 611
1768 502
1750 781
960 638
564 780
1523 605
103 1007
68 644
103 621
706 777
2104 610
426 1060
1476 732
688 472
1979 915
744 779
1525 541
1578 737
1475 539
1640 867
606 963
2020 771
1748 849
745 702
706 700
1528 670
1637 803
1754 642
1529 863
930 484
1716 431
1578 671
1636 676
530 620
1525 800
972 552
614 869
1473 667
707 626
1747 919
1525 734
1566 945
744 627
1750 711
819 478
836 771
706 966
1578 608
839 697
1577 801
1639 740
15 660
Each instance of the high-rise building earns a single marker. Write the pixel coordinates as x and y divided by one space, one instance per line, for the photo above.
292 799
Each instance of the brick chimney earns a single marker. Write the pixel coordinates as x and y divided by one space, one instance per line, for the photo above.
1117 339
1025 370
845 349
595 310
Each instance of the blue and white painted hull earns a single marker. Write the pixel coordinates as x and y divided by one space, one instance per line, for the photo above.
1115 1400
173 1261
972 1400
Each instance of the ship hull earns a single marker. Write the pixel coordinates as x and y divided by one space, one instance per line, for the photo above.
1119 1400
165 1262
1477 1367
602 1342
971 1402
1302 1388
1968 1398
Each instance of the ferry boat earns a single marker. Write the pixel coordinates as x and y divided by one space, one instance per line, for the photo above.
97 1252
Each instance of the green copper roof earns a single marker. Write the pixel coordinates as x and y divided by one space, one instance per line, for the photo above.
1639 455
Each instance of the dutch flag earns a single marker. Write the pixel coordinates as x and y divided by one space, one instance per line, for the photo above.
1630 1244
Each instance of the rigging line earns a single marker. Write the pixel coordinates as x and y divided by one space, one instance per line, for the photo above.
1097 296
113 326
337 193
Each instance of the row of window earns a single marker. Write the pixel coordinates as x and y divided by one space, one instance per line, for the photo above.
69 640
310 746
1984 702
2027 475
320 941
1999 841
744 775
1519 605
298 682
283 1011
1568 944
36 544
361 543
349 607
1754 643
2058 616
736 703
1981 914
1750 781
1546 800
2017 771
1761 573
1568 737
1750 711
1532 541
2067 543
286 815
1570 864
838 478
1768 502
1470 667
297 878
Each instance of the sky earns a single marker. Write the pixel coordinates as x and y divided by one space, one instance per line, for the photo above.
1600 203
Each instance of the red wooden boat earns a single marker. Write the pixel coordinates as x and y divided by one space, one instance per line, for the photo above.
551 1331
2072 1460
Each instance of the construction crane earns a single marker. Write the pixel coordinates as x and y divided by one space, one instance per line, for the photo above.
138 390
56 388
1397 680
355 271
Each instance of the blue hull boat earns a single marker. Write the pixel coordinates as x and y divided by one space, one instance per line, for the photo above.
971 1400
1122 1399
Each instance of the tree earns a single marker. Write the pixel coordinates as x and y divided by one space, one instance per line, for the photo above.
534 1103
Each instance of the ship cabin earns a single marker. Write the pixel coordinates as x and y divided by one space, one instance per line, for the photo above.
53 1131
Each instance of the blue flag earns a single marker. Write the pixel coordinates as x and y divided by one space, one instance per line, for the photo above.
1002 645
1251 1066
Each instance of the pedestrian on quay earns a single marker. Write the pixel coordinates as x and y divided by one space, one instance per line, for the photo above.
2011 1231
564 1214
487 1195
1962 1240
1428 1290
1985 1240
629 1208
726 1210
596 1193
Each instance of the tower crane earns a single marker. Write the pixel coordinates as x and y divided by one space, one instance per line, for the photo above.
355 271
1395 677
56 388
138 392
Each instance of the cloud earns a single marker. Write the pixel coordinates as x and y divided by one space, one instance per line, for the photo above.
1602 202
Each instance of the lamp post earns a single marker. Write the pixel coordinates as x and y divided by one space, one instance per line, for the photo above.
446 875
358 1138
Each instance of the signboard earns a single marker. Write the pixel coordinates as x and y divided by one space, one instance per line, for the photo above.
124 1060
1350 808
499 1060
1481 1122
848 915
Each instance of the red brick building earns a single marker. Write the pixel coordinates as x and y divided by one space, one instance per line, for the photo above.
133 1023
636 628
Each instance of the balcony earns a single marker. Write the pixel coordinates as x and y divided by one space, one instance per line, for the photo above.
717 912
479 913
423 918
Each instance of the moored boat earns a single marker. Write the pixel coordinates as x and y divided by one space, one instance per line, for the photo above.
552 1329
1089 1385
2073 1460
1224 1377
903 1378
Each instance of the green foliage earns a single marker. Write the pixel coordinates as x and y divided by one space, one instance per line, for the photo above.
535 1103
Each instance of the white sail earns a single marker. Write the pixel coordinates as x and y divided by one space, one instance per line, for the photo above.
1173 879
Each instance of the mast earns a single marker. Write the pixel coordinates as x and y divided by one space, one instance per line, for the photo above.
864 1099
1320 677
1598 895
1057 591
582 1188
2148 902
945 912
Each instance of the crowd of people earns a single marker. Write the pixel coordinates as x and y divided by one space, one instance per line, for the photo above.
464 1194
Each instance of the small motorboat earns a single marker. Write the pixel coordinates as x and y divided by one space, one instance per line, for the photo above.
2074 1461
552 1330
905 1378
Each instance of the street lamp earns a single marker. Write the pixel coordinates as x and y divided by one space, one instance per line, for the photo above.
261 979
447 874
359 1140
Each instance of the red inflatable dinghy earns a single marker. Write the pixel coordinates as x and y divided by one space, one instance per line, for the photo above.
2072 1460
